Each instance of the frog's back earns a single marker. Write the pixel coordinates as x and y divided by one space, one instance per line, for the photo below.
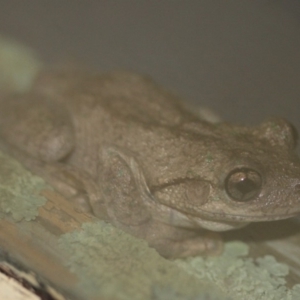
123 94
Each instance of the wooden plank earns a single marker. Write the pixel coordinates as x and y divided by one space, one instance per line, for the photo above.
33 244
10 289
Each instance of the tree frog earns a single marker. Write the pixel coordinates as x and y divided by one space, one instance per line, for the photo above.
127 150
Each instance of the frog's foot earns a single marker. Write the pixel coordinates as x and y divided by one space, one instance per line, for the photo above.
75 185
208 244
72 184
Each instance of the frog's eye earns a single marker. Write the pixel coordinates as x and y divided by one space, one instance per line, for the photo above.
243 184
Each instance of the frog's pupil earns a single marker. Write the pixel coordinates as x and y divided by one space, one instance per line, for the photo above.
245 187
243 184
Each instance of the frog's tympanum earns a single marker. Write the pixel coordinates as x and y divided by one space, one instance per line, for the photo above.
125 149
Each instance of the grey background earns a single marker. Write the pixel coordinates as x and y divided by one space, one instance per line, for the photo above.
239 57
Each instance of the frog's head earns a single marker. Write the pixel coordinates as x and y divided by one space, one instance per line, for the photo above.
254 176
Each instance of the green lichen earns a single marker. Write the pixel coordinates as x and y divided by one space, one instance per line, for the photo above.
242 277
295 292
19 191
165 293
109 262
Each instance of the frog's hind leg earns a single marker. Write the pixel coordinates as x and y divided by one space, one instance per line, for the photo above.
35 131
36 126
40 135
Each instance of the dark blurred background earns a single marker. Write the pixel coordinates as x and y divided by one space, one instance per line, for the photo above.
240 58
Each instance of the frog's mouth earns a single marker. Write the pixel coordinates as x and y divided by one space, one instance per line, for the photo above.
214 221
243 217
215 225
216 214
179 219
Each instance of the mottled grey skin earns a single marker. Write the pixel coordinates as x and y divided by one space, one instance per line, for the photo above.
125 149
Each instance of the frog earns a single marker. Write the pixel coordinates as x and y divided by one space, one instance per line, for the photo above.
130 152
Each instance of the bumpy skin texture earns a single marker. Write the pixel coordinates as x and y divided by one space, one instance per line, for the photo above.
125 149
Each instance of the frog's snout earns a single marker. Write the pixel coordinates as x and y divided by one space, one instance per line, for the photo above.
286 199
278 132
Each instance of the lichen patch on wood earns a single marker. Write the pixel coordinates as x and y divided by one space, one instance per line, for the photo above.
19 191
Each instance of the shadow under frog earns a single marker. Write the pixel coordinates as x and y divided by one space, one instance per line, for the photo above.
125 149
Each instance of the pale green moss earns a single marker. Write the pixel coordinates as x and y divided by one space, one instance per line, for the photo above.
242 277
19 191
18 66
295 293
112 263
166 293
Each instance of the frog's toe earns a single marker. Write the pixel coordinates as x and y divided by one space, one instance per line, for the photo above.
209 244
213 244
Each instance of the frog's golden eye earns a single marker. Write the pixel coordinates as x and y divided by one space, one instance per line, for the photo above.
243 184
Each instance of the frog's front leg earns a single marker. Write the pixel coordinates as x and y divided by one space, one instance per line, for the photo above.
172 242
39 133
